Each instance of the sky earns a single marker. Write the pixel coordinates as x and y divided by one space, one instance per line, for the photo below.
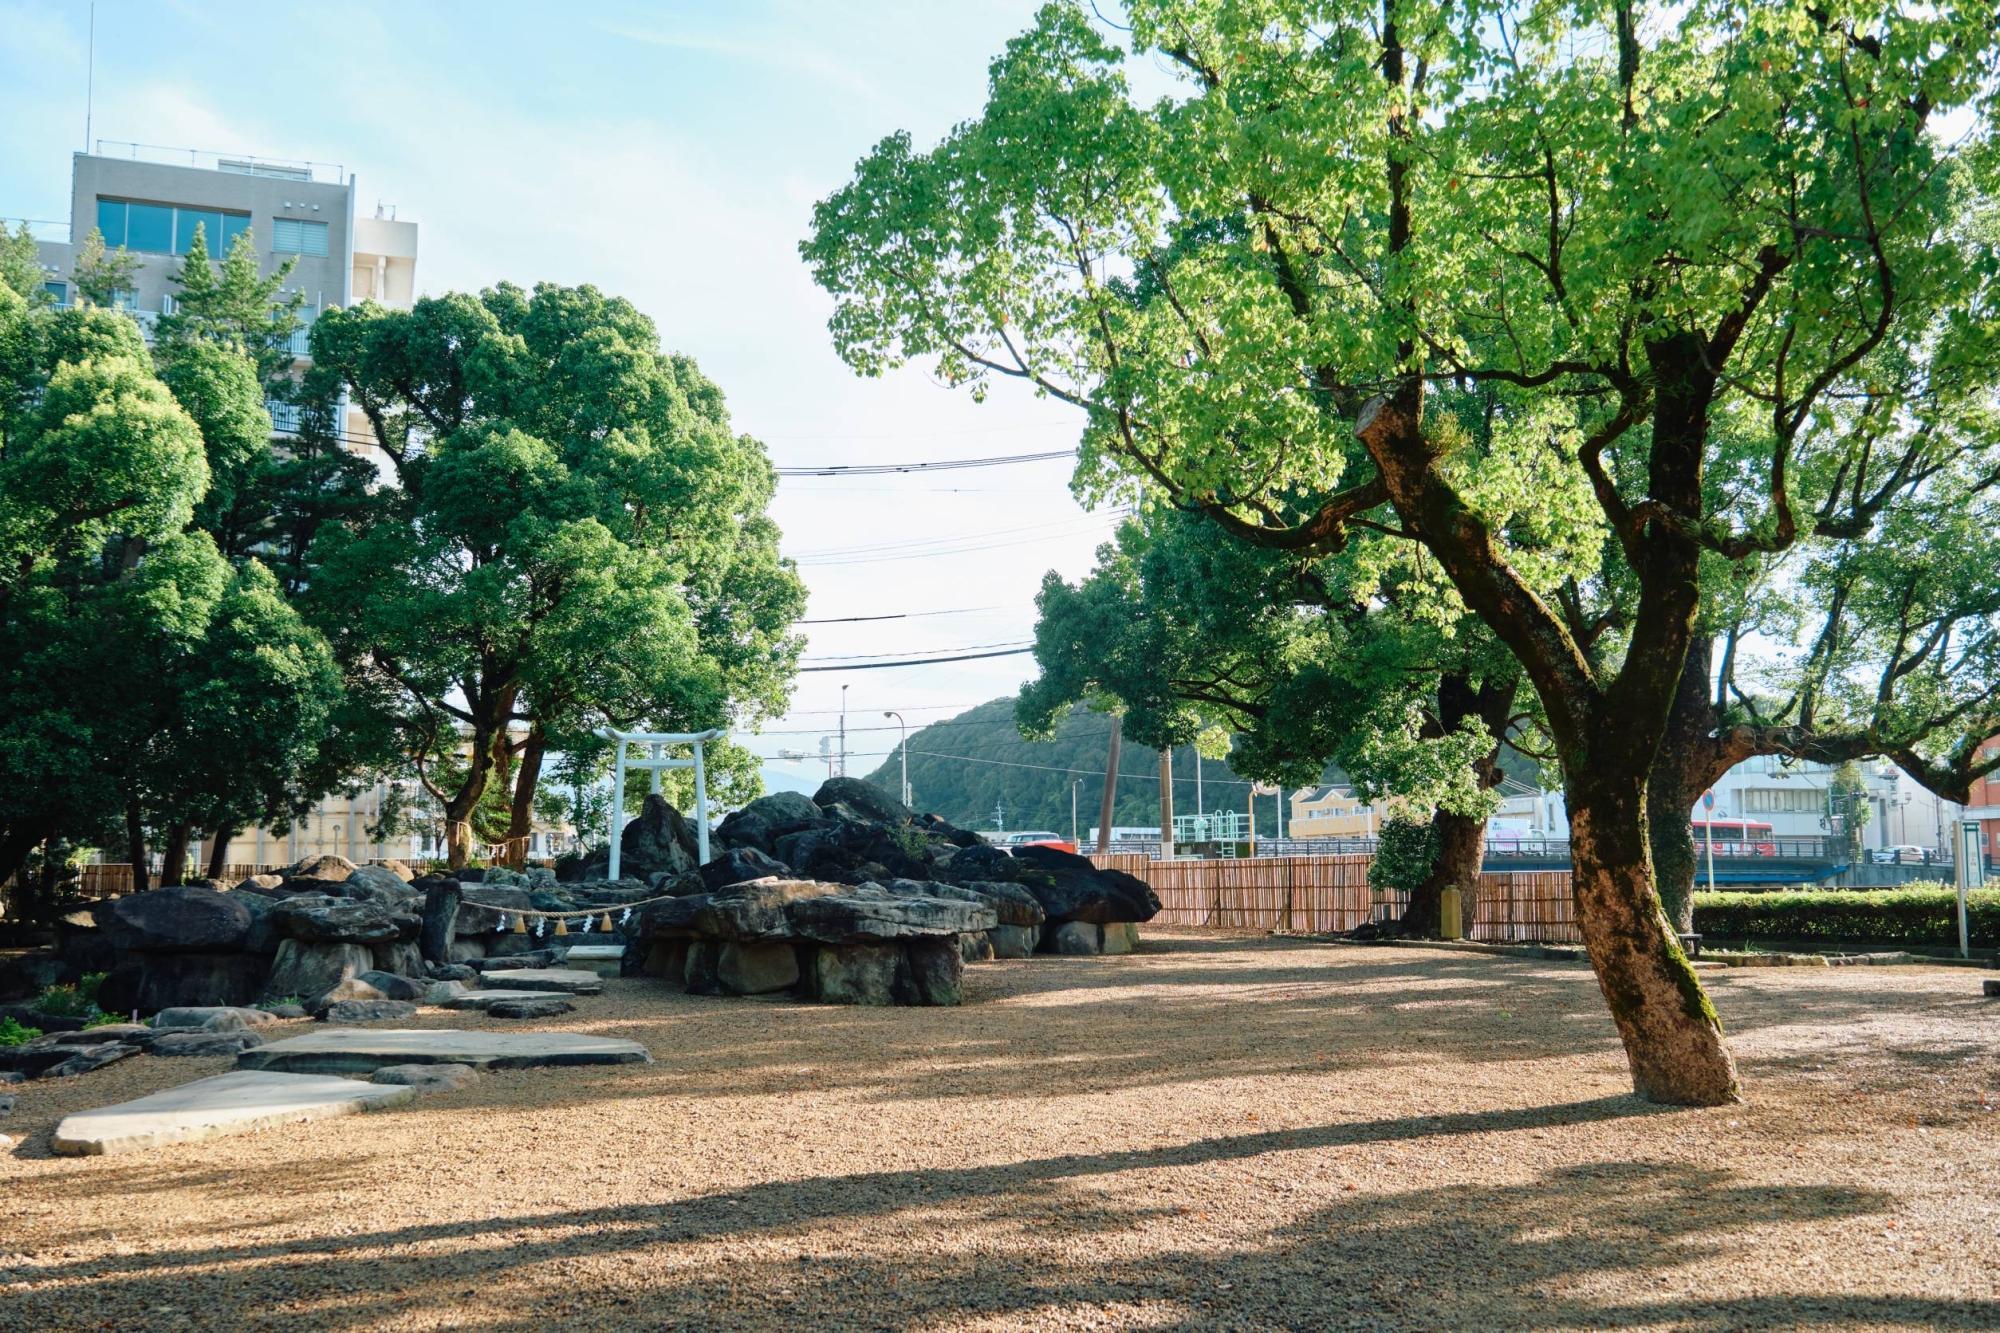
670 154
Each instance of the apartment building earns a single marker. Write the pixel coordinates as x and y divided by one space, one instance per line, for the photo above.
1985 806
1332 812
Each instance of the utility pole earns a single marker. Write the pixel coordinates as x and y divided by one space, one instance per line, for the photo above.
1197 784
843 731
905 750
1073 785
1167 804
1108 805
999 817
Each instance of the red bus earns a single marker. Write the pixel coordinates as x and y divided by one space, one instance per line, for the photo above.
1735 837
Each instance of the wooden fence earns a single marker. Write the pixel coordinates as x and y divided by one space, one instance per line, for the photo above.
1326 894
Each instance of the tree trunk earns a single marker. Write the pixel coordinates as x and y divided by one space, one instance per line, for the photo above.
174 855
1673 1040
135 846
16 845
218 852
1108 800
1461 854
521 819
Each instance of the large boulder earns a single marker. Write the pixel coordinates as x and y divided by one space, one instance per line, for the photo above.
867 799
856 973
1070 888
392 986
401 957
305 968
871 913
768 818
320 919
658 840
1012 904
984 863
379 884
482 906
332 868
757 910
738 864
756 969
936 970
179 919
167 980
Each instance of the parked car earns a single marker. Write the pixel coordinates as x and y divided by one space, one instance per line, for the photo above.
1037 838
1904 854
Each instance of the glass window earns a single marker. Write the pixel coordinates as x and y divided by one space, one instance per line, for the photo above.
58 290
149 227
186 220
296 236
125 299
111 221
233 225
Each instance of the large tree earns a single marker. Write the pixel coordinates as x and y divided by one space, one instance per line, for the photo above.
1621 222
1304 659
574 537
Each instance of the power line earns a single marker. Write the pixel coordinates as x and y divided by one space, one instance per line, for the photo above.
940 465
920 661
910 708
966 648
913 615
909 543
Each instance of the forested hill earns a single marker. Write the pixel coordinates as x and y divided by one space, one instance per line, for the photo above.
961 768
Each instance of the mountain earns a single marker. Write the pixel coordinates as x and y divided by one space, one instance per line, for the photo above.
784 779
965 767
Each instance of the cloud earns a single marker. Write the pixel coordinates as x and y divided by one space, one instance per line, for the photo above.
782 56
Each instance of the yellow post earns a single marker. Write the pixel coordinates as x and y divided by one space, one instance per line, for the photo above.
1451 924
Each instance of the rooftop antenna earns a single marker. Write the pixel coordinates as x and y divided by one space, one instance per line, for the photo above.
90 78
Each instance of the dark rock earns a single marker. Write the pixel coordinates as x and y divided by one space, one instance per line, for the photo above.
856 973
542 1006
756 969
743 829
180 919
1014 941
351 988
1075 938
118 993
1012 904
213 1018
6 1105
303 968
758 910
288 1011
1070 888
451 972
368 1011
83 1059
768 818
865 797
378 884
205 1043
878 915
263 937
428 1078
937 970
25 975
739 864
700 972
440 915
471 874
538 958
322 920
167 980
30 1017
399 957
391 985
659 839
481 908
982 863
976 946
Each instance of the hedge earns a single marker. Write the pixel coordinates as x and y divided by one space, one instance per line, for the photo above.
1922 915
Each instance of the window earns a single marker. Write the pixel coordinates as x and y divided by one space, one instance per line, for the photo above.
296 236
57 290
284 416
124 299
1782 801
166 230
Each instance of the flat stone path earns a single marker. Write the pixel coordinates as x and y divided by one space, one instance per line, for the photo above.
484 999
239 1102
562 980
364 1050
603 959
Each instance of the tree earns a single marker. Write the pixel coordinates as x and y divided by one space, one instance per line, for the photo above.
1667 241
100 274
1305 660
21 264
575 538
238 306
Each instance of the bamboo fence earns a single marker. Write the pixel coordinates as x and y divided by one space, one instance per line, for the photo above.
1328 894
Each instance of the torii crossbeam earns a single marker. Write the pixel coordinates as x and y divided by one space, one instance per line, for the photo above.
658 762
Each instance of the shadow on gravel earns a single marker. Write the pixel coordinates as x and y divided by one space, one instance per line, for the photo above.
1435 1256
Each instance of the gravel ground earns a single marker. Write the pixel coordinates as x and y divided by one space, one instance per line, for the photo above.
1215 1132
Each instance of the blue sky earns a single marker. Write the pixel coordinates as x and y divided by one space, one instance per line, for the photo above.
667 153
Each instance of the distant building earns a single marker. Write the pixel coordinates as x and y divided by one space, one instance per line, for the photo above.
1985 806
1332 811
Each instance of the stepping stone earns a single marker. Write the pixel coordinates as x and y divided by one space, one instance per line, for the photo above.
486 999
426 1078
364 1050
547 1005
566 981
205 1043
603 959
239 1102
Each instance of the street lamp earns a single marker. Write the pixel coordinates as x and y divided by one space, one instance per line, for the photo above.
1074 784
843 731
905 749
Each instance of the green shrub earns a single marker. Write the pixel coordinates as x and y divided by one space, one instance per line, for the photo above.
13 1034
1920 915
1404 854
67 1001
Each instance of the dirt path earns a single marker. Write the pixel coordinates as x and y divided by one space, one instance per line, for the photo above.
1217 1131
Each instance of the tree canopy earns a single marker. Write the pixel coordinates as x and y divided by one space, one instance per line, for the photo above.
573 538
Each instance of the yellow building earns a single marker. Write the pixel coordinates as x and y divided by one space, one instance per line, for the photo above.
1332 812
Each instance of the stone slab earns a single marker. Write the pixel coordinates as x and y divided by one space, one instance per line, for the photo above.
482 999
561 980
364 1050
239 1102
603 959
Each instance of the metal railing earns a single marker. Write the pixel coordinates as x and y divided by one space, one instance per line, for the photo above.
206 159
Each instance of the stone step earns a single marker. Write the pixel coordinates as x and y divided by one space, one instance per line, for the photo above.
603 959
239 1102
364 1050
486 999
562 980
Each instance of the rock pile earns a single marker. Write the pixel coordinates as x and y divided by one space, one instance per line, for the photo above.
850 897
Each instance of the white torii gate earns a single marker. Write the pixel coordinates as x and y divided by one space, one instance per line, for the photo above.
658 763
